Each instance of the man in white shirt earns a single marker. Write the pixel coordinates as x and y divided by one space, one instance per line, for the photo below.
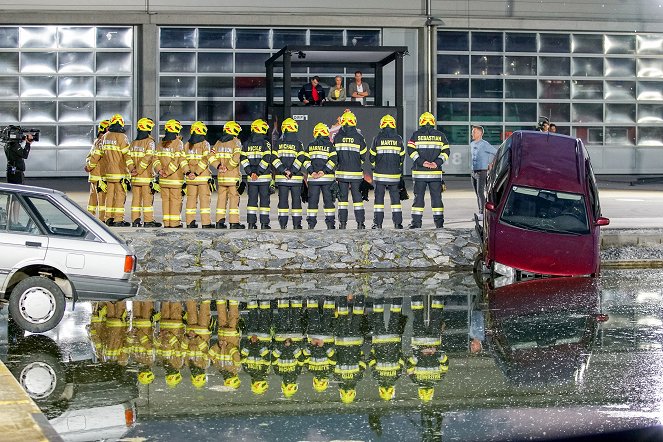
359 89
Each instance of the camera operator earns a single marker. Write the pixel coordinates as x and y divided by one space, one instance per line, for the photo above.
16 153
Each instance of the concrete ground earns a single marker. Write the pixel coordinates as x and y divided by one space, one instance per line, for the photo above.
627 203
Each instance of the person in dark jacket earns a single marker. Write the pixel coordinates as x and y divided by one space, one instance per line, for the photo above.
256 158
351 150
289 159
256 345
16 155
312 94
386 156
321 166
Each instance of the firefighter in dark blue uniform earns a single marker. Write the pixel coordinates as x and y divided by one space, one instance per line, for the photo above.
289 160
351 150
288 355
386 156
321 165
256 345
320 352
350 364
429 149
256 158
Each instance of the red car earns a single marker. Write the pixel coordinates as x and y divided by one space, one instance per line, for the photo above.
542 212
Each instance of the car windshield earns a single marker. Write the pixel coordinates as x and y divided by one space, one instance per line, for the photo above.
546 210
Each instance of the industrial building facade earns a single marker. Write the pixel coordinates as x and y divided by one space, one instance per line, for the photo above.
599 78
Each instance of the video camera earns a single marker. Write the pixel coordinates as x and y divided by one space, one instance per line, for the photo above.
17 133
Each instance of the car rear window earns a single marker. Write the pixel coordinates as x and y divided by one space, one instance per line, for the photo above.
546 210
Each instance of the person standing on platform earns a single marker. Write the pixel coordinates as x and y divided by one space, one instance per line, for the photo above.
359 90
351 151
482 156
312 94
337 91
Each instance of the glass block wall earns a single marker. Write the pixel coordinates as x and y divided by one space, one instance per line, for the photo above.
606 89
217 74
62 80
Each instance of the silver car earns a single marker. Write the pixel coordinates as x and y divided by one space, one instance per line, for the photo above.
51 250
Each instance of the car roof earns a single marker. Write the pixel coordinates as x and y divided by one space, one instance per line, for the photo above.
548 161
28 189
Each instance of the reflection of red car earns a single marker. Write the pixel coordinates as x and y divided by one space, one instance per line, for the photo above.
542 212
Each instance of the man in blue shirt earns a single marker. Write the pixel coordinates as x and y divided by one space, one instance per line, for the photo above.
482 156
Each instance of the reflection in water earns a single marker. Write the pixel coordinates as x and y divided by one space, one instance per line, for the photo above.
446 364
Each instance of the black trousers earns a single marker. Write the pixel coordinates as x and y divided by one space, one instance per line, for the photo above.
314 191
252 208
288 316
396 324
15 176
394 196
435 190
434 327
344 189
320 318
294 191
259 319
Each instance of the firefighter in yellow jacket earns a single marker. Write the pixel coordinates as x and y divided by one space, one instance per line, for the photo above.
142 329
227 151
198 330
172 166
142 151
172 345
117 345
200 182
97 202
225 353
118 163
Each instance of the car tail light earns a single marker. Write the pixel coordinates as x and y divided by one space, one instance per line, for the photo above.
602 318
129 263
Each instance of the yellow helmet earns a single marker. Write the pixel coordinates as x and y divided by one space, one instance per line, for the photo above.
199 380
146 377
426 393
320 129
232 127
348 119
289 125
103 125
387 121
232 382
259 387
173 380
259 126
145 124
347 395
320 384
387 393
199 128
426 119
289 390
173 126
117 119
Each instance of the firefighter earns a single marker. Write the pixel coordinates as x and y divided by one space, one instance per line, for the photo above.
225 353
429 149
198 330
320 165
351 150
320 353
256 345
97 201
289 160
171 345
142 327
97 327
428 363
117 162
142 151
386 357
288 356
228 150
386 156
117 345
200 182
172 167
350 364
256 160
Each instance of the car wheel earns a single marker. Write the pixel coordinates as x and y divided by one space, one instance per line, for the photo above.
37 304
477 270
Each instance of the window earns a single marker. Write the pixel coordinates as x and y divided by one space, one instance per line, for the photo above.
54 219
593 191
14 217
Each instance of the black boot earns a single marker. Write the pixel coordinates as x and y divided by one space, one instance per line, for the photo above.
311 225
331 225
297 226
342 225
151 224
252 226
414 226
221 224
265 226
207 226
236 226
110 222
283 225
398 226
122 223
136 223
361 226
193 225
376 226
439 223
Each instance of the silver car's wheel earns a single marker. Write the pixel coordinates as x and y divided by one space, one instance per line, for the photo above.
36 304
38 380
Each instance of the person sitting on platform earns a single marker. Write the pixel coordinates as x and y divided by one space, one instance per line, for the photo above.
312 94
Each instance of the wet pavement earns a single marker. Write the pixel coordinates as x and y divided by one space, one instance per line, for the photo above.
392 356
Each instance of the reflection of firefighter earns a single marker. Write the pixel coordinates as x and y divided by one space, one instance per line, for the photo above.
386 157
256 345
200 182
320 165
351 151
225 353
117 345
257 162
350 364
172 343
386 358
142 151
226 160
97 328
320 352
289 163
142 327
172 166
288 353
428 363
97 201
198 330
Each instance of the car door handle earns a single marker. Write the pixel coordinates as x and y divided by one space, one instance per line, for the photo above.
32 244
